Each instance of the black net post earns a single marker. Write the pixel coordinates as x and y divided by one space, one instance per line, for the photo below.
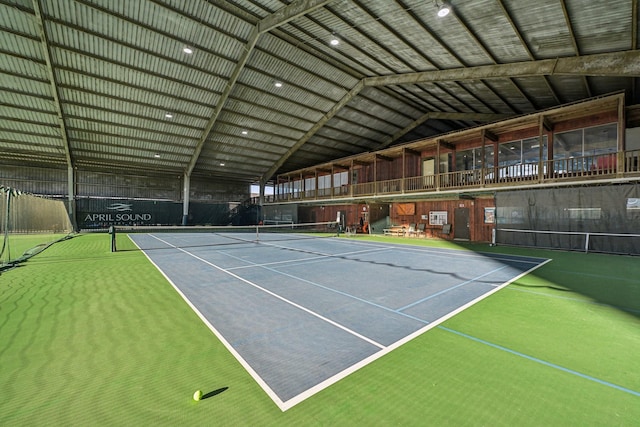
112 235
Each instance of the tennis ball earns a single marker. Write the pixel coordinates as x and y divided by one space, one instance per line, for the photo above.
197 395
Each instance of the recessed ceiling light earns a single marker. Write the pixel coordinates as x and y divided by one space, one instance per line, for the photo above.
334 41
444 9
187 50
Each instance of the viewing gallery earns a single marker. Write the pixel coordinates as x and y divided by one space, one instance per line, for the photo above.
462 177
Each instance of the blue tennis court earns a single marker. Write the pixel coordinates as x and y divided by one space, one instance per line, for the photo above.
301 314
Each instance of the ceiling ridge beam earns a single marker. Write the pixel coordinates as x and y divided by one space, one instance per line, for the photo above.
623 63
476 117
282 16
443 115
289 13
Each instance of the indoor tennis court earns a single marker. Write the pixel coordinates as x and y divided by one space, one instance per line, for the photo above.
300 312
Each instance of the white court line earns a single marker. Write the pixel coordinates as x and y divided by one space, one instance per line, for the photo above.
221 337
310 392
420 301
320 256
267 291
326 288
253 373
346 372
448 253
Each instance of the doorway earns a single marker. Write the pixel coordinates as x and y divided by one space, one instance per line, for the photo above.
461 229
428 166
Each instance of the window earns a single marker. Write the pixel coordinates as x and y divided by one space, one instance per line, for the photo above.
341 182
520 158
340 179
324 181
522 151
472 159
296 187
586 142
438 217
309 184
324 185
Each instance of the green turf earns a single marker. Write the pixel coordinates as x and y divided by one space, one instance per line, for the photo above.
90 337
19 244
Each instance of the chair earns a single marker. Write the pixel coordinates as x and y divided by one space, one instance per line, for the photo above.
446 229
420 229
411 230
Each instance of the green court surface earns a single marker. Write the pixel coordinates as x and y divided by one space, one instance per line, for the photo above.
91 337
20 245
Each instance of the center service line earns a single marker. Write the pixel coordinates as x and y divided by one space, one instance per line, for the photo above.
298 306
326 288
451 288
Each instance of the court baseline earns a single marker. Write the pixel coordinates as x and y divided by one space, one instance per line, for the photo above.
297 328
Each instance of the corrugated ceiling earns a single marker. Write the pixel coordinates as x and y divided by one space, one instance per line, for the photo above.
107 84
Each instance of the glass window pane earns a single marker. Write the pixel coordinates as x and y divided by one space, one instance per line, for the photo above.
477 158
464 160
601 139
340 179
471 159
324 181
310 184
488 157
567 144
531 149
509 153
296 186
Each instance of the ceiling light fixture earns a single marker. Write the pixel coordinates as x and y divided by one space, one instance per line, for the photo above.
221 164
444 9
244 132
277 84
187 50
334 40
169 115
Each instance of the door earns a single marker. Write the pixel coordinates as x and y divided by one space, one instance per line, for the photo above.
428 167
461 224
428 175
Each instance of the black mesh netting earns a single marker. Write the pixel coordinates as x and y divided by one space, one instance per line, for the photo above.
596 218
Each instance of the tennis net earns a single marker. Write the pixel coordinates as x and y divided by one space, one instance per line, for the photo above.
614 243
167 237
28 225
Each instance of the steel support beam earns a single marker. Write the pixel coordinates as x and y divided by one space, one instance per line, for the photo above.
620 64
328 116
438 115
44 41
282 16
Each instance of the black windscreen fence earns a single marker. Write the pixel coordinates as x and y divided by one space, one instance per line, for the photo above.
103 213
591 219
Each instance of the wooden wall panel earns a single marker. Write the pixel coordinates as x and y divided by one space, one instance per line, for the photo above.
479 230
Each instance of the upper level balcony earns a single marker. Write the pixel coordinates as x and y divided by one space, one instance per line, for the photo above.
609 167
583 143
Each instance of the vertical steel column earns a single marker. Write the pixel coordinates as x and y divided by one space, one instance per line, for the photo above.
185 198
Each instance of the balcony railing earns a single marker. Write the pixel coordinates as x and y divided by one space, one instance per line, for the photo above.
598 166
